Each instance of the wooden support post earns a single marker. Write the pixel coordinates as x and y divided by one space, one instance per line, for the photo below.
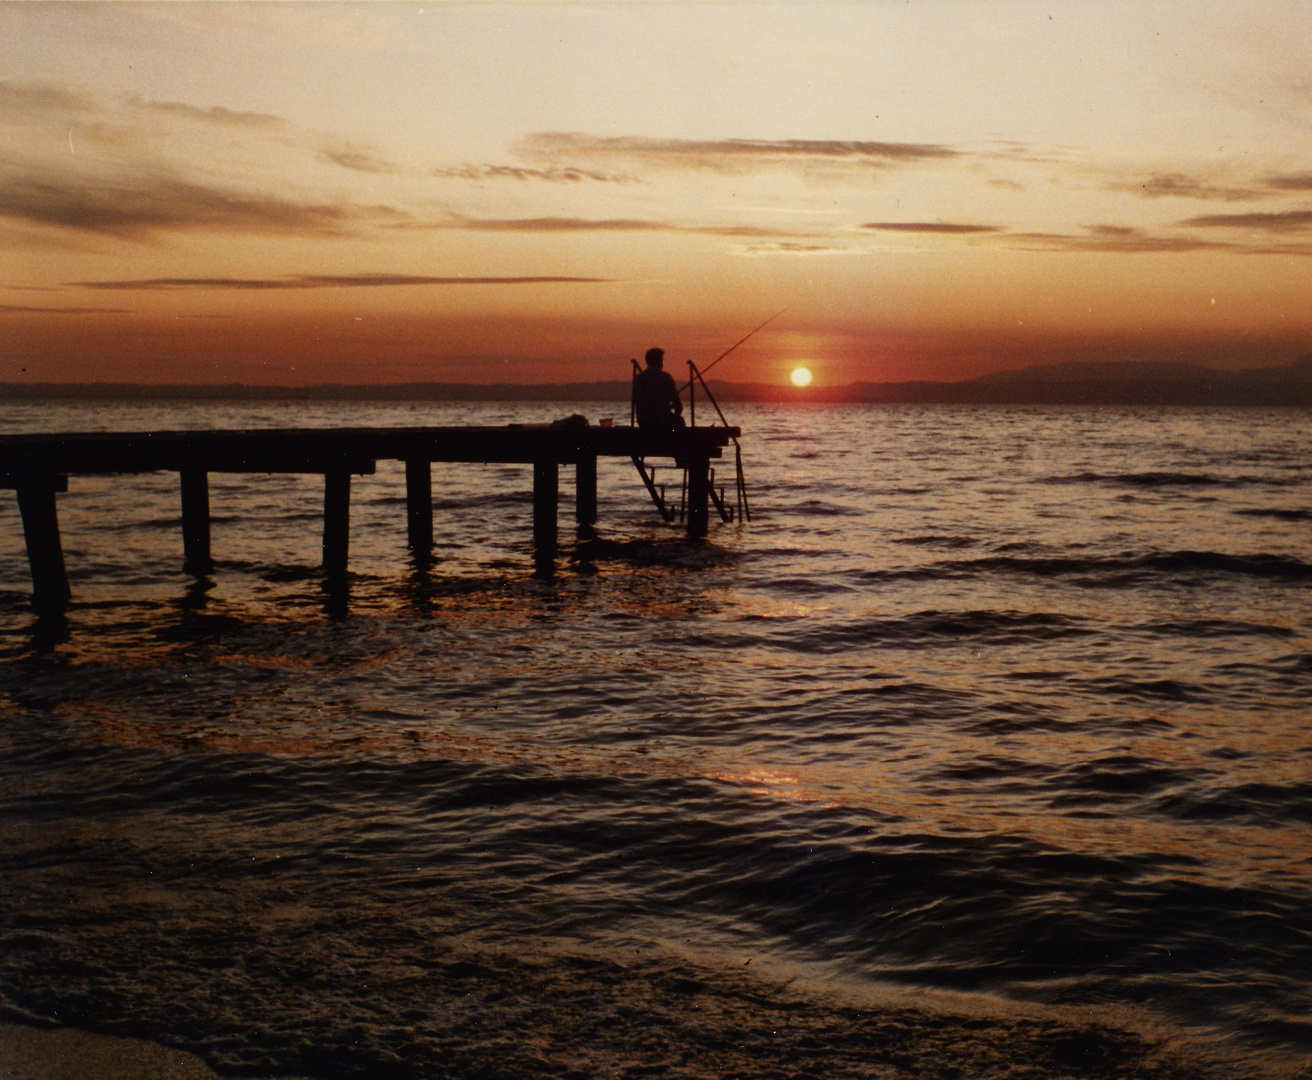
419 505
196 521
585 490
699 487
546 495
45 554
336 520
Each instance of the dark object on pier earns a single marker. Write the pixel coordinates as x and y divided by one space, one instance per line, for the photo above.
37 467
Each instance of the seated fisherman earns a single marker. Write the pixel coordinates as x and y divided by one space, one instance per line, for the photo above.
655 397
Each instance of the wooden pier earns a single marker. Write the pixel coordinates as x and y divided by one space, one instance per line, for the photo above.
37 467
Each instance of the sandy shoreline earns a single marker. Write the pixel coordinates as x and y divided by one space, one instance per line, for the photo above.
30 1053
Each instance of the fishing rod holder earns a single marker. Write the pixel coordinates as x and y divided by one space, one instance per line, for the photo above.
743 508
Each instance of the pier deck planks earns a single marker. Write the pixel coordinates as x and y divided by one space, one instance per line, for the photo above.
319 450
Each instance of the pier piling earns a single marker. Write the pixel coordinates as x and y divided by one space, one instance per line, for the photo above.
419 506
699 489
45 553
546 496
195 485
336 520
585 490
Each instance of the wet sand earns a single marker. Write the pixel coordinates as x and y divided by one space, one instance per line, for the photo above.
28 1053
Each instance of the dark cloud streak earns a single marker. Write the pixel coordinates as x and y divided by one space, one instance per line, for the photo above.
328 281
554 175
734 154
43 97
1114 240
554 224
930 227
1291 182
1104 239
359 159
128 208
17 308
573 224
214 115
1281 221
1177 185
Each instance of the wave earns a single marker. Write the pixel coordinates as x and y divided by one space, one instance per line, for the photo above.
819 508
1113 570
937 541
926 629
1278 513
1146 689
1259 803
1166 479
1117 776
1213 628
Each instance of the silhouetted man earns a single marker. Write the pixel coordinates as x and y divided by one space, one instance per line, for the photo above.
655 397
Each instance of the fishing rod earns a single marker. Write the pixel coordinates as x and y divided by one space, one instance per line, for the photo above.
735 345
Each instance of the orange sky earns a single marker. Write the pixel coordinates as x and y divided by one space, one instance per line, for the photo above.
305 192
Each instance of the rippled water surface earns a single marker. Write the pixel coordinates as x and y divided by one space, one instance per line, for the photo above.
983 751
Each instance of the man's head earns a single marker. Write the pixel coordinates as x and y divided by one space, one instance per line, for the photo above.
656 358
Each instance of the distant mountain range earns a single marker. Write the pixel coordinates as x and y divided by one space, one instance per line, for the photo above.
1127 382
1080 383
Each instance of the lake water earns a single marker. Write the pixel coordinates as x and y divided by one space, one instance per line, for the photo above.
984 750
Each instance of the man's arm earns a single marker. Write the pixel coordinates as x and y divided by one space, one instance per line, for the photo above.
673 389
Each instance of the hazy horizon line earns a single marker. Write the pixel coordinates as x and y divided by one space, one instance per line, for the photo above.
1118 382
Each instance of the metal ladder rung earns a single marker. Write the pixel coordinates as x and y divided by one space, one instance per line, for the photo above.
657 495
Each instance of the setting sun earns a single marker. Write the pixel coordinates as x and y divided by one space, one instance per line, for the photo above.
801 377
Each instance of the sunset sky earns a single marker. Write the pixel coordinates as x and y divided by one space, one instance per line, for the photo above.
535 192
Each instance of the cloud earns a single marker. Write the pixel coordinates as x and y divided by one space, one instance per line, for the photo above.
1280 221
733 155
800 249
578 224
214 115
1177 185
930 227
64 310
328 281
562 224
370 160
1124 239
20 98
1114 239
132 207
130 167
553 175
359 159
1290 182
41 102
1293 249
1102 239
78 162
